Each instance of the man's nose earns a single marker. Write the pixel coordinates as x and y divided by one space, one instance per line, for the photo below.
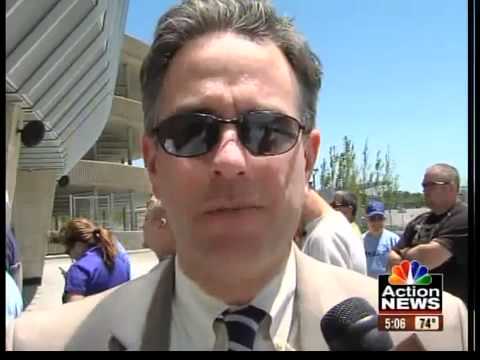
229 157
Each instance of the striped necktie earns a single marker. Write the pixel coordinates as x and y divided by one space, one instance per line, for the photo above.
242 326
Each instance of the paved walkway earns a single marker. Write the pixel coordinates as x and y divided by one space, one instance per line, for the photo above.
49 294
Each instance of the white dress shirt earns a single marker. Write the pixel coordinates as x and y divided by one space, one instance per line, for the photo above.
193 325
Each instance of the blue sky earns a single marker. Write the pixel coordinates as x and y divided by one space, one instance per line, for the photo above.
395 73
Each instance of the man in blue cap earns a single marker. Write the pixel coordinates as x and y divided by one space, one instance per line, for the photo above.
377 241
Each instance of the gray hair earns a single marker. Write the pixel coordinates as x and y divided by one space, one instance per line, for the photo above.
153 203
347 198
255 19
449 173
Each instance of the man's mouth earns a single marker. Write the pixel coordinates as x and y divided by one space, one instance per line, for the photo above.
233 208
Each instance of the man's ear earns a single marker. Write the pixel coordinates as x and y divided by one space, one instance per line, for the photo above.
312 145
149 151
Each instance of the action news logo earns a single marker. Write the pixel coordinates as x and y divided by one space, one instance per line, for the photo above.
410 289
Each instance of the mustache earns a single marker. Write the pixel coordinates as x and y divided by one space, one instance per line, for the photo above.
232 193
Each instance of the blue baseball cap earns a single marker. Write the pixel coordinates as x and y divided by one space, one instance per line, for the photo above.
375 207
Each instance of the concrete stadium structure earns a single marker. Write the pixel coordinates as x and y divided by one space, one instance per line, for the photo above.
70 67
103 185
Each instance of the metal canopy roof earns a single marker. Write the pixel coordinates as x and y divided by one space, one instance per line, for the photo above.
62 60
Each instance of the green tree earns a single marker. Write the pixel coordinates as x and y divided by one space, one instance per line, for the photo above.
390 194
324 176
340 172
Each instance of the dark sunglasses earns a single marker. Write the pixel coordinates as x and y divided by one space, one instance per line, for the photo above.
338 205
262 133
432 183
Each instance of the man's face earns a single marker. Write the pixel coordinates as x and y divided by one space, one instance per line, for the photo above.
227 207
437 190
376 223
346 210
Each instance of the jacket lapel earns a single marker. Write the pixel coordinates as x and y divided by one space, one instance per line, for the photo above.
156 334
144 323
308 309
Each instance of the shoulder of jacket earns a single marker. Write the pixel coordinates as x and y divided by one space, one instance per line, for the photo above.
52 328
320 270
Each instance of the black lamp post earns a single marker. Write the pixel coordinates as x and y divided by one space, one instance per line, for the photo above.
32 133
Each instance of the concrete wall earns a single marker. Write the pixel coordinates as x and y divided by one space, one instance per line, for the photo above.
402 218
131 240
32 209
116 177
133 53
134 88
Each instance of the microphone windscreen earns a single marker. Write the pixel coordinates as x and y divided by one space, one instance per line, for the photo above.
352 325
337 321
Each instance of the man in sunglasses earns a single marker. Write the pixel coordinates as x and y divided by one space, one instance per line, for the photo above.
346 202
229 96
439 238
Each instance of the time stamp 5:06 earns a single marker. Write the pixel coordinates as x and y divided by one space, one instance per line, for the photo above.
409 322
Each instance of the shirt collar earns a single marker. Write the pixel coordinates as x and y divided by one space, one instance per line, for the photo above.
196 309
199 310
276 299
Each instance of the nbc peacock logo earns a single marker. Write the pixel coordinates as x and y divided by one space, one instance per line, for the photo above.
410 273
410 298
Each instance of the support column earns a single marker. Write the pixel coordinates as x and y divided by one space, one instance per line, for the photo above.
13 121
111 210
132 211
32 216
95 206
130 145
124 218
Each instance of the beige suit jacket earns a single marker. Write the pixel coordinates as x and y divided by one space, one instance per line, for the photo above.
136 315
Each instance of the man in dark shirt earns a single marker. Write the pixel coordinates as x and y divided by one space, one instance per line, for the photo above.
438 238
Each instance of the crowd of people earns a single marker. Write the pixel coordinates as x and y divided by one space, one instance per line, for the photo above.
438 238
250 257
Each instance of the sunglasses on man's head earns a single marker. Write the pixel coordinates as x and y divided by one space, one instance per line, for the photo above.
432 183
338 205
262 133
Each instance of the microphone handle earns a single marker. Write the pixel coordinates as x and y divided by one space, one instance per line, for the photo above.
363 336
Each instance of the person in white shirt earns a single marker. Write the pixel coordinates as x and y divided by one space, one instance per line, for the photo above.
229 97
328 236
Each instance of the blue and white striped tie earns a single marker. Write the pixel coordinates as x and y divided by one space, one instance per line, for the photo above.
242 326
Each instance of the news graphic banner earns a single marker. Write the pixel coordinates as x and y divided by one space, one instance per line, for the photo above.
410 299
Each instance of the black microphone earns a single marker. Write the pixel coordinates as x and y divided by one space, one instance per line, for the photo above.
352 325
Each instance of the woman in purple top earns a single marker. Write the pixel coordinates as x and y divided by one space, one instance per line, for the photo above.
98 264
